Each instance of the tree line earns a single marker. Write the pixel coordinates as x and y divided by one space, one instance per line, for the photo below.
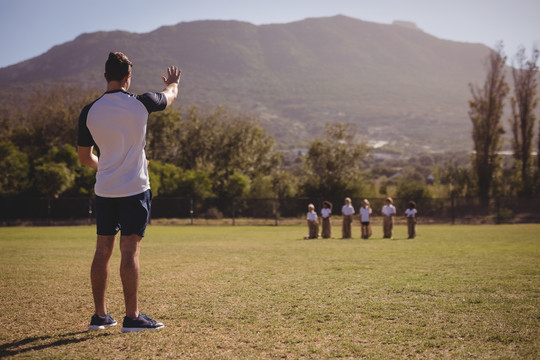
486 111
215 152
196 153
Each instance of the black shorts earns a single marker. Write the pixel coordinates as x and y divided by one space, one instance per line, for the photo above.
127 214
365 223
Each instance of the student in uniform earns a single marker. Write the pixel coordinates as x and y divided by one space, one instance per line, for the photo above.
326 212
388 212
365 212
313 222
348 212
410 213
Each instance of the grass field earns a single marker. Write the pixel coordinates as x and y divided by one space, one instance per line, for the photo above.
223 292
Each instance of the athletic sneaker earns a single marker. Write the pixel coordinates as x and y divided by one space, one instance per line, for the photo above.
101 322
143 322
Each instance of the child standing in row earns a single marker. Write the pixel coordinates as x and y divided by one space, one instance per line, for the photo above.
365 212
326 211
388 212
347 211
313 222
410 213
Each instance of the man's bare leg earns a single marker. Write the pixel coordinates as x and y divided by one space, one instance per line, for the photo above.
129 272
99 272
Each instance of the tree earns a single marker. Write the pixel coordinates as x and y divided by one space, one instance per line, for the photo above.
459 179
50 119
85 177
52 179
333 165
195 184
171 180
284 184
524 103
412 189
236 186
223 143
54 172
261 187
165 178
485 112
15 169
412 185
163 131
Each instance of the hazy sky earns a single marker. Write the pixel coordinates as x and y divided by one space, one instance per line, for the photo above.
31 27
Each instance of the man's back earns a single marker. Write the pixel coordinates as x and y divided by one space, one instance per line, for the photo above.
116 123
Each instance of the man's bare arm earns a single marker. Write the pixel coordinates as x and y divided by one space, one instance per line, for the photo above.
87 157
171 84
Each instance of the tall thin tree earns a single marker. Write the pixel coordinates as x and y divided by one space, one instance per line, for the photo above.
524 102
485 112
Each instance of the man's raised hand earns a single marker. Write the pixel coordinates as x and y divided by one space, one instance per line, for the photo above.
173 76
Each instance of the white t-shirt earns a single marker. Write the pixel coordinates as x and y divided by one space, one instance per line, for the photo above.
116 124
325 212
410 212
347 210
364 214
312 216
388 210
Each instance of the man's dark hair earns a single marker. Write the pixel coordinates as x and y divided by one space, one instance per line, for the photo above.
117 66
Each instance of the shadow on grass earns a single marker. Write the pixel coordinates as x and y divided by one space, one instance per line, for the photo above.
37 343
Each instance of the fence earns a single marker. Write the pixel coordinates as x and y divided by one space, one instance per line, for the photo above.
17 210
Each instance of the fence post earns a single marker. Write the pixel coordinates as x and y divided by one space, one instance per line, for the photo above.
276 207
233 211
498 208
49 212
89 211
190 211
453 210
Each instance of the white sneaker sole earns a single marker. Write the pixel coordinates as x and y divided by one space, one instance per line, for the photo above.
127 330
101 327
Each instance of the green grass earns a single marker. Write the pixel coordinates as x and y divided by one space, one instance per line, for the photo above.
224 292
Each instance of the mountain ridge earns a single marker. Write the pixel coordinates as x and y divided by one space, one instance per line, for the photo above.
395 83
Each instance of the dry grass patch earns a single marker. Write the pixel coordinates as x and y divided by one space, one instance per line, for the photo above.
264 292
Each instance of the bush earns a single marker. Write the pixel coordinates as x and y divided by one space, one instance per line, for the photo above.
412 190
505 215
213 213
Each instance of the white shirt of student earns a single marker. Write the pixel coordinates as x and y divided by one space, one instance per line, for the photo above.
388 210
312 216
325 212
347 210
364 214
410 212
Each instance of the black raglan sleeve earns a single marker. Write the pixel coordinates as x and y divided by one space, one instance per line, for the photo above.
84 138
153 101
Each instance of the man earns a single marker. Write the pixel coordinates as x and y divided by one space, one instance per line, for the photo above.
116 125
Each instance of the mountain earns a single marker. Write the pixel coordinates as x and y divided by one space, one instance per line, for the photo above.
395 82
